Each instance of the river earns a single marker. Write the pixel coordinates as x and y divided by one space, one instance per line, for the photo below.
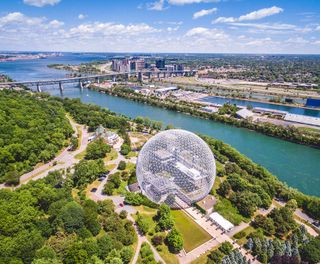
297 165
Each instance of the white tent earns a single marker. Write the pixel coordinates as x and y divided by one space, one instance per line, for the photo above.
221 221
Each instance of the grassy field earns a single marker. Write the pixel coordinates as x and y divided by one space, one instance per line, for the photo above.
193 234
94 184
130 167
228 211
81 155
111 156
110 167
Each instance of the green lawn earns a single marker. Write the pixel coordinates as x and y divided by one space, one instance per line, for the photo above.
110 167
193 234
130 167
111 156
81 155
132 154
229 212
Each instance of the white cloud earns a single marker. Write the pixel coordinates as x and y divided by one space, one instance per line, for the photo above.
260 42
160 5
318 28
207 33
264 12
156 6
204 12
184 2
274 27
108 29
82 16
41 3
255 15
298 40
172 29
56 23
19 18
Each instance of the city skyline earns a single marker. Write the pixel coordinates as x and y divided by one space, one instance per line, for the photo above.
166 26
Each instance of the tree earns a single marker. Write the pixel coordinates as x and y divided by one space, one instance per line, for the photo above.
108 188
215 256
125 149
86 171
246 202
292 205
157 240
126 254
74 143
224 189
164 217
226 248
175 240
46 252
97 149
123 214
265 223
122 165
249 243
311 251
143 224
72 217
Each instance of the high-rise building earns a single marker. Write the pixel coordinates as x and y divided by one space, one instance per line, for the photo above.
140 65
161 64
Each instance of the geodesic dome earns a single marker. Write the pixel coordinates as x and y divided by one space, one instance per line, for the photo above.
176 167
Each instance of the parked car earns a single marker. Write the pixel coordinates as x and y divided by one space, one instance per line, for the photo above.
93 190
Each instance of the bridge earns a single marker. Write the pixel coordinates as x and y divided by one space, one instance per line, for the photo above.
97 78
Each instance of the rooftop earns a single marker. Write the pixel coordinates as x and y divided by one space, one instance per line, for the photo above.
245 113
221 221
207 203
308 120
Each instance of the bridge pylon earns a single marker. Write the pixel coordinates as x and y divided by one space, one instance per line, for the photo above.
38 88
61 87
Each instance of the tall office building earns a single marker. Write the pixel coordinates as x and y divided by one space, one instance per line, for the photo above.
161 64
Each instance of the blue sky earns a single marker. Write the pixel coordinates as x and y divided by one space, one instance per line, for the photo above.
226 26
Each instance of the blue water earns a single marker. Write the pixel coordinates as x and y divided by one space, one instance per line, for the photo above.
290 109
297 165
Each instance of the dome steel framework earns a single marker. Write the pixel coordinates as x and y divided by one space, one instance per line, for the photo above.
176 167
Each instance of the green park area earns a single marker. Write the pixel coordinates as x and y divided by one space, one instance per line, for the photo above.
193 235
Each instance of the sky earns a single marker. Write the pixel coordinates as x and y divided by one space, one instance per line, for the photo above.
197 26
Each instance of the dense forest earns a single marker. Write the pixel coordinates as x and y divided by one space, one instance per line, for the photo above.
33 128
43 223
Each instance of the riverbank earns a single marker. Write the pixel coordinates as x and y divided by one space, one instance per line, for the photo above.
290 134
